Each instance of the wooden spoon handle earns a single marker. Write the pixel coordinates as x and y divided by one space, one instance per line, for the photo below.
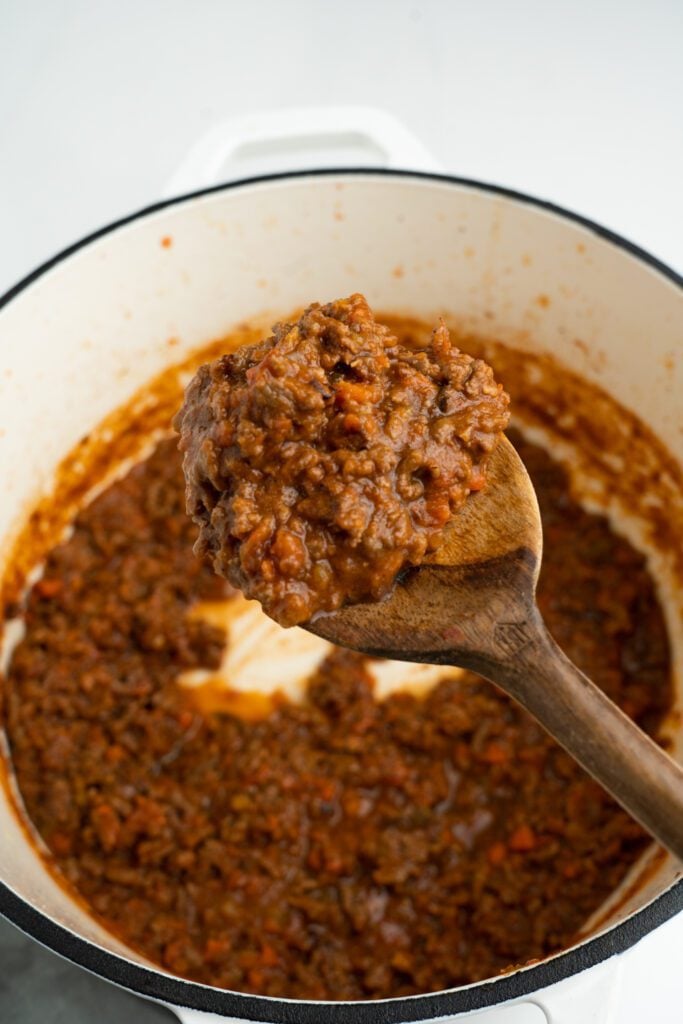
624 760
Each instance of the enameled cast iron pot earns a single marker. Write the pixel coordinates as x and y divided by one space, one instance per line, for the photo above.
88 328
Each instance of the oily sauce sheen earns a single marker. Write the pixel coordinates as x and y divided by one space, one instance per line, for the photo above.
343 848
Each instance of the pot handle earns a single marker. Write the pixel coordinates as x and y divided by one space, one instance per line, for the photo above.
297 138
187 1016
591 997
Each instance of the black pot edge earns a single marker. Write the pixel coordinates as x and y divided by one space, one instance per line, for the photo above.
175 991
448 179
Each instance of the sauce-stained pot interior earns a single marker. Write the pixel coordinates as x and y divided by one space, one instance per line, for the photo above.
331 839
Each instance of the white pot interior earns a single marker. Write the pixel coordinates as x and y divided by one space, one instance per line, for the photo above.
81 339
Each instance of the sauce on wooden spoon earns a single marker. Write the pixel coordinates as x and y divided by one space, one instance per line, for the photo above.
327 462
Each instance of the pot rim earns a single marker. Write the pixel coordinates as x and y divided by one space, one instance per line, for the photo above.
157 985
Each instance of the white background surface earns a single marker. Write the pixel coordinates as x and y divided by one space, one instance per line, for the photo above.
576 102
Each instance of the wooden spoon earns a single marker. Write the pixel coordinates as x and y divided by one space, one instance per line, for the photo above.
472 604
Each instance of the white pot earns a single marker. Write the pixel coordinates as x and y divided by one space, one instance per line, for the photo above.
82 333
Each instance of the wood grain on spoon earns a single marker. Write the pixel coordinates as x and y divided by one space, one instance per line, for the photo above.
472 604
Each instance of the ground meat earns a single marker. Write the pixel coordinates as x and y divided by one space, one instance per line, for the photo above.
324 459
342 848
